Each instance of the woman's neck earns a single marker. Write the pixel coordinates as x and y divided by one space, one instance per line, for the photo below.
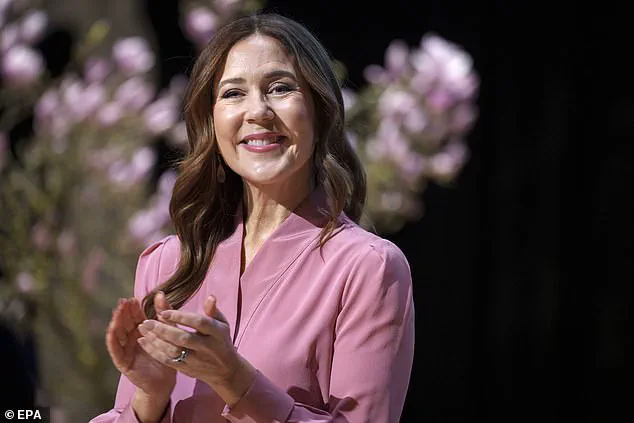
266 207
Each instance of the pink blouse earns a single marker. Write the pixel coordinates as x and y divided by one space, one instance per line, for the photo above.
331 333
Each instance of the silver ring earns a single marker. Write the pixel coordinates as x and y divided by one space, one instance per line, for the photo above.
181 358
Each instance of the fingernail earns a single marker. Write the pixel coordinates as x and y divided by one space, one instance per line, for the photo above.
146 326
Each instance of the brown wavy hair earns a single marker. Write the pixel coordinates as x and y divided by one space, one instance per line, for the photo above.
202 208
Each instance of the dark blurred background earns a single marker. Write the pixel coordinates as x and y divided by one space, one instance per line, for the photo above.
522 269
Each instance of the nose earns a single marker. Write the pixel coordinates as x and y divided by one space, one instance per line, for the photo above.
258 109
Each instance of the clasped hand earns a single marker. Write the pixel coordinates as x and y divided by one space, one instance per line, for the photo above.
143 350
211 356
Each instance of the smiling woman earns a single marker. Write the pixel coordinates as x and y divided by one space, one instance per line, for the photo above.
264 118
270 303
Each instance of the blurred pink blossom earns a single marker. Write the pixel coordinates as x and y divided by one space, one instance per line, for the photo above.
178 86
415 120
41 236
396 65
133 55
9 36
178 134
462 118
200 24
412 167
109 114
21 65
128 173
446 164
134 94
395 102
82 101
46 106
145 226
439 100
396 59
33 26
94 262
391 201
352 139
66 243
161 115
349 98
451 65
166 183
97 69
25 282
375 74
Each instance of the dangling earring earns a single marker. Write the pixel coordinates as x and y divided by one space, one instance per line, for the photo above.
220 173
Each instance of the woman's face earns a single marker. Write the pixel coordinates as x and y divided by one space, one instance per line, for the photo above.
263 114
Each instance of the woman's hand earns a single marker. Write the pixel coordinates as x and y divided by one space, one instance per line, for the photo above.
122 340
211 356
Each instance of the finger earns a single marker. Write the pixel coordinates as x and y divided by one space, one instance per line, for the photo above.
161 304
136 310
116 351
126 316
171 334
117 325
210 309
203 324
159 349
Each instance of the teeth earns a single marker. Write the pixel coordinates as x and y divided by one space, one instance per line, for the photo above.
260 142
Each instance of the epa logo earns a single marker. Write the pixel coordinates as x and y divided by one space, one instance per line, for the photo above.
23 415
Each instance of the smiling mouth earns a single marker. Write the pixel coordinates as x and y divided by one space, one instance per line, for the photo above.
260 142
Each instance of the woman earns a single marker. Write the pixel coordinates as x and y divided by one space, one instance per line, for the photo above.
270 304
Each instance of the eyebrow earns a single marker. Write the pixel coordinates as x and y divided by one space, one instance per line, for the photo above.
268 75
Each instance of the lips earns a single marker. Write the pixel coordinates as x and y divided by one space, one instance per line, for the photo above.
263 138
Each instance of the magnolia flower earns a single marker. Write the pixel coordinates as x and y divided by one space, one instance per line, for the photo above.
349 98
25 282
133 56
89 276
46 106
21 65
161 115
450 64
396 65
109 114
66 243
178 134
446 164
9 36
32 26
96 69
134 94
200 24
41 236
145 226
395 102
128 173
81 100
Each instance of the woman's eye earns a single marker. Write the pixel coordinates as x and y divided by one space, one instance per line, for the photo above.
230 94
280 88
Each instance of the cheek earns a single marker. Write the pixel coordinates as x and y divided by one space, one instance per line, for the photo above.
299 119
226 124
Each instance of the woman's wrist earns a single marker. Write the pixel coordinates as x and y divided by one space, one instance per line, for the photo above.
149 408
236 384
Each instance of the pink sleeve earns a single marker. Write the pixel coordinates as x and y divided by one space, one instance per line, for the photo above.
148 275
373 352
